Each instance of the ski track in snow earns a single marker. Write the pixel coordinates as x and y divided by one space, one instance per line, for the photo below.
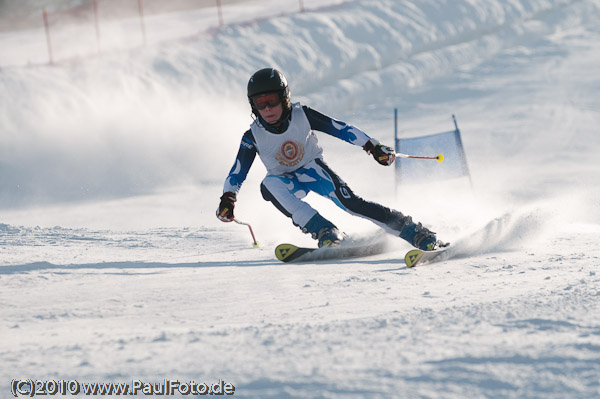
113 266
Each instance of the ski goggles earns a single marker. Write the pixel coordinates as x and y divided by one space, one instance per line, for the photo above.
271 100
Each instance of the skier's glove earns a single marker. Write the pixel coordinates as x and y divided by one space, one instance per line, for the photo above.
225 211
382 154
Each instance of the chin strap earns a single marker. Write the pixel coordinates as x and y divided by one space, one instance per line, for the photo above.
278 127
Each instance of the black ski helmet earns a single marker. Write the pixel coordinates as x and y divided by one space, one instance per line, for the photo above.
269 80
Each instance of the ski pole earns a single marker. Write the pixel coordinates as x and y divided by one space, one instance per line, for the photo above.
438 157
254 243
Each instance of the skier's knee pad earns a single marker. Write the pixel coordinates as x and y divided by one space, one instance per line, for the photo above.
285 194
270 185
266 194
348 198
280 188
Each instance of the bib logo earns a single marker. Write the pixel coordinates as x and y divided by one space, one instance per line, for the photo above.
290 153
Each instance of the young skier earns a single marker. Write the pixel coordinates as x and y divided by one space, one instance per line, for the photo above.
283 136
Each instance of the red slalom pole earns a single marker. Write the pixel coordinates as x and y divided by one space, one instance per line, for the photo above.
97 25
254 243
220 13
143 25
48 41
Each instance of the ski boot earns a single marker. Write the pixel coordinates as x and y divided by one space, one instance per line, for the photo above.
426 240
417 235
323 230
329 237
431 244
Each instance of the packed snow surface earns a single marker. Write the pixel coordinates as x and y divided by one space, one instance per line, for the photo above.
113 267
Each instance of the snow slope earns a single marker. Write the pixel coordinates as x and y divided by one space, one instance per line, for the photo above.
114 268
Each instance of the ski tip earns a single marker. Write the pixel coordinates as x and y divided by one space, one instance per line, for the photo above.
412 257
285 252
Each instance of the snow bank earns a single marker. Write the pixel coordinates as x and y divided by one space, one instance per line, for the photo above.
131 122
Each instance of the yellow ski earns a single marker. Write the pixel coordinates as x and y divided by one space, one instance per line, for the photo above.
349 248
418 256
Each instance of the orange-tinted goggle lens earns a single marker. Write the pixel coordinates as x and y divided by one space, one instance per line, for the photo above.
271 100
